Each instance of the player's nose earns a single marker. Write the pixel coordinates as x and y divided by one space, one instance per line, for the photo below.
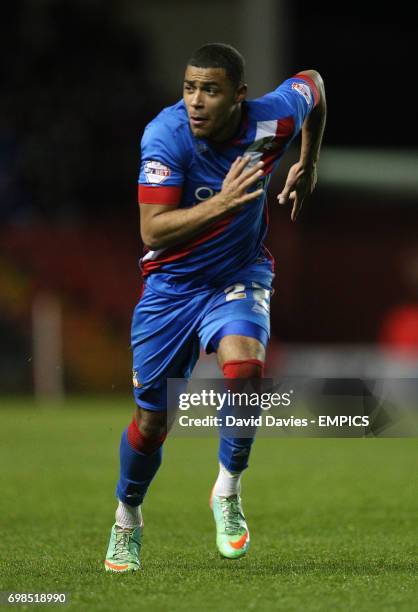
197 100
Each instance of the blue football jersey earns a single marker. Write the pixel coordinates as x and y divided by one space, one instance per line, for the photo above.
178 169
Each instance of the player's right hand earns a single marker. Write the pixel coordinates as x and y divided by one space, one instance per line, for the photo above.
234 192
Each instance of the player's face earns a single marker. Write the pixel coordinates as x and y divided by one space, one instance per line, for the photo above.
212 102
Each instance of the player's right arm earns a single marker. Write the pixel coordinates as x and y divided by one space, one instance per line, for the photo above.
164 226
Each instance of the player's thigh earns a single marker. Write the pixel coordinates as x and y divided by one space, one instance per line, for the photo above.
164 345
239 348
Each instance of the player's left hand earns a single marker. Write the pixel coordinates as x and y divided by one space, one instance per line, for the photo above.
300 183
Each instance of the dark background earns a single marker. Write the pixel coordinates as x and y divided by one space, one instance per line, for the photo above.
366 53
80 80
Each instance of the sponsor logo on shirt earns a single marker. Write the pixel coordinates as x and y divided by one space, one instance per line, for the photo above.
303 90
156 172
204 193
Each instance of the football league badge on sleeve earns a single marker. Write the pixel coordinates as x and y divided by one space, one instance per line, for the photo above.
156 173
303 90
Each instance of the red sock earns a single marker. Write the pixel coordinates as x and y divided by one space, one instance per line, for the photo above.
243 368
140 443
238 372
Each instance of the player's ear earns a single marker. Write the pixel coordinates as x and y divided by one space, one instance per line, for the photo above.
241 93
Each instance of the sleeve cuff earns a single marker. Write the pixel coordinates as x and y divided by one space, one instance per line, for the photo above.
148 194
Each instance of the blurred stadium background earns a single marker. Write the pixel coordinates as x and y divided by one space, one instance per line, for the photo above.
80 80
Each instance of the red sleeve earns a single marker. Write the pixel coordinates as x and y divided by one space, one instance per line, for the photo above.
148 194
312 86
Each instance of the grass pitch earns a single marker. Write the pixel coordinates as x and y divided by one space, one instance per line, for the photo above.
333 521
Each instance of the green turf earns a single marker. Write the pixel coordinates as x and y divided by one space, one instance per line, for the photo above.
333 522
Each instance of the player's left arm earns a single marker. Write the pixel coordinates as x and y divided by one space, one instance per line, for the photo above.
302 176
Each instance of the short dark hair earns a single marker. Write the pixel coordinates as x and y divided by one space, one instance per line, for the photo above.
219 55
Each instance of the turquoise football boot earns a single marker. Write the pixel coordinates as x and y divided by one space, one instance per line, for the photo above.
232 535
124 548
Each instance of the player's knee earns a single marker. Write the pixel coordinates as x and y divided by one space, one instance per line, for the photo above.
146 433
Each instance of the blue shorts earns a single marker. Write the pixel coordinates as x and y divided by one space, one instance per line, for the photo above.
169 325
